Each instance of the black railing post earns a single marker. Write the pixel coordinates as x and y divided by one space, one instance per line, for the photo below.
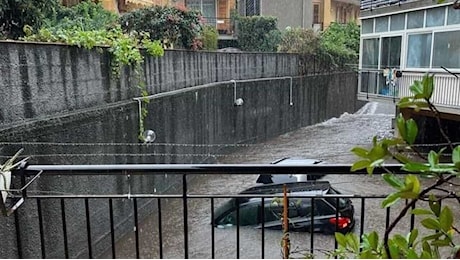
64 229
40 226
185 211
212 230
160 229
18 234
112 229
88 229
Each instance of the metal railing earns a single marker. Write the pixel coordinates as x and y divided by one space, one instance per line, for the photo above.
446 94
95 222
374 4
224 25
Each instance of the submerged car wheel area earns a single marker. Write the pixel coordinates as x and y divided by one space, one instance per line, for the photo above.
322 214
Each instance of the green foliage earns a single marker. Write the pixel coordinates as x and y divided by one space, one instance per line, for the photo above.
341 42
209 37
172 26
258 33
299 40
85 16
435 219
15 14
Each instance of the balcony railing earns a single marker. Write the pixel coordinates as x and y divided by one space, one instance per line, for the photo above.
82 216
224 26
446 94
374 4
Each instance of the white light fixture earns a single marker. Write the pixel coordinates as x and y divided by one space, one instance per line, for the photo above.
149 136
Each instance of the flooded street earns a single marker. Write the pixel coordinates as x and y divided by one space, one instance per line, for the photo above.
330 141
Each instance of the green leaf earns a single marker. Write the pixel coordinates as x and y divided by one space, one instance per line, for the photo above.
421 211
446 219
377 163
456 155
401 242
401 158
360 165
401 124
441 243
411 254
416 88
373 239
391 199
415 183
412 131
394 181
353 241
408 195
412 236
431 223
341 239
433 158
434 205
431 237
416 167
428 86
361 152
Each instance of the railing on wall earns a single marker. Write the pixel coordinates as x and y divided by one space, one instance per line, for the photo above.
56 228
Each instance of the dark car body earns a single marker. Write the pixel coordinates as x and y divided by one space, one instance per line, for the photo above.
285 178
322 210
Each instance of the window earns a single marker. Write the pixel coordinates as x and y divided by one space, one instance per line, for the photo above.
453 16
316 13
370 55
381 24
415 19
206 7
419 50
446 50
367 26
390 52
398 22
435 16
252 7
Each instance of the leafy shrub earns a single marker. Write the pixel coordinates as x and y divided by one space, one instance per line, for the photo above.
258 33
170 25
299 40
14 15
85 16
209 37
342 42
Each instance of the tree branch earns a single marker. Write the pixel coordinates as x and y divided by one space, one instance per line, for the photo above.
403 212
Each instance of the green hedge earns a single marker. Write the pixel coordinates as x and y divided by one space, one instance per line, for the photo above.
258 33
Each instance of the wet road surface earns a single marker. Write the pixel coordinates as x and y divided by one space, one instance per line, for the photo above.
330 141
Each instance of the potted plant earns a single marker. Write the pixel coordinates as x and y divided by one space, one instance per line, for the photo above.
5 174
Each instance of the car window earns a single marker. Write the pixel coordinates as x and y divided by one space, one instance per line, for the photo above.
322 208
333 201
249 215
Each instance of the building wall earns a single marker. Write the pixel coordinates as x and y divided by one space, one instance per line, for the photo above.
293 13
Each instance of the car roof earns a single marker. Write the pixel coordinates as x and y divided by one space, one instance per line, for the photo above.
296 161
306 187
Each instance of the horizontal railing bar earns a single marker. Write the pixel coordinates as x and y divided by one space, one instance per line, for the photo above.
204 196
121 169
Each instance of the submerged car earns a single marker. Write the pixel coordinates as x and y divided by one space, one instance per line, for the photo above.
329 214
285 178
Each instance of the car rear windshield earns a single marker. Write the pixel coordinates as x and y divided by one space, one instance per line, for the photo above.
333 201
